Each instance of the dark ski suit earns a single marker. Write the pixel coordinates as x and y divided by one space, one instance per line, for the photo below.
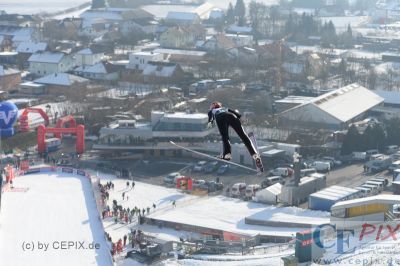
226 117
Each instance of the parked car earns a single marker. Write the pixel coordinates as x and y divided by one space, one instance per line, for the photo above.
210 186
271 181
335 162
251 191
197 183
359 156
322 166
371 152
281 171
171 178
211 167
199 166
395 165
223 169
214 186
238 190
392 149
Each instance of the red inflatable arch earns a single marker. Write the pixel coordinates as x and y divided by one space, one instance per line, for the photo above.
79 131
23 119
64 120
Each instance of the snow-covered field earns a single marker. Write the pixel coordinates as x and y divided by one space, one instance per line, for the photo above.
341 23
38 6
57 207
224 3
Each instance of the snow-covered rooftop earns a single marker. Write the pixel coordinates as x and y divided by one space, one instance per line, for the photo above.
183 16
228 214
31 47
295 99
378 199
63 79
107 15
390 97
159 70
239 29
46 57
334 193
180 52
347 102
185 115
86 51
8 71
98 68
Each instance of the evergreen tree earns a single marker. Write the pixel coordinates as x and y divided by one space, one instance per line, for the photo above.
98 3
230 14
290 25
240 12
352 141
393 131
374 137
380 137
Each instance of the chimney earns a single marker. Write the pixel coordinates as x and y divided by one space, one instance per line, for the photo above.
297 168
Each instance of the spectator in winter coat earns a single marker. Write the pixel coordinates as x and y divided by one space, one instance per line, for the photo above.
125 237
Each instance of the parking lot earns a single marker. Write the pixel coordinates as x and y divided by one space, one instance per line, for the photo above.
154 170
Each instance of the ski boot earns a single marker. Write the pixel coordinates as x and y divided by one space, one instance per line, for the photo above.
226 157
257 160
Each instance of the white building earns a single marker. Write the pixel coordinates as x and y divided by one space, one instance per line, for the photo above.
139 60
333 110
98 71
87 57
45 63
163 126
241 40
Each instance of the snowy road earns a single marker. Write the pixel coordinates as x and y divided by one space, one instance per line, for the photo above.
58 210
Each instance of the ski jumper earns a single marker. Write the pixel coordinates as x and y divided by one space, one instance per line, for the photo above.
224 118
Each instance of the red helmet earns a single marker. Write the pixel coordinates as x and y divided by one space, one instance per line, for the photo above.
215 105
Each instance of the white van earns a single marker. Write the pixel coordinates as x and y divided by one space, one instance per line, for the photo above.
375 183
359 156
281 171
374 188
395 165
381 179
371 152
376 156
365 191
238 190
251 191
321 166
271 181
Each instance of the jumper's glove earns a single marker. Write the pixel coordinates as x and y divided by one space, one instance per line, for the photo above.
210 124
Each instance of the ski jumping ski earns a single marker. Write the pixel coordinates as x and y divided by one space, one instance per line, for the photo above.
213 158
